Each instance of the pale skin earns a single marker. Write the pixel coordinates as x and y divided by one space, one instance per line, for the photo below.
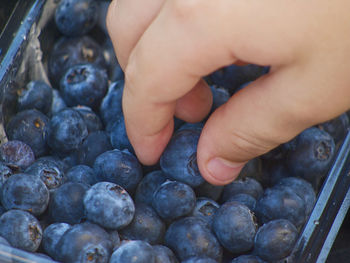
165 47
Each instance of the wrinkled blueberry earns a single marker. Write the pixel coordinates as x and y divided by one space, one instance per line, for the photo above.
109 205
179 159
173 199
66 131
119 167
17 154
30 127
26 192
84 84
235 227
275 240
81 174
190 236
76 17
21 229
146 225
135 251
66 203
52 235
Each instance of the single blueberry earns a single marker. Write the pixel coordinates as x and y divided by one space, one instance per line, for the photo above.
76 17
17 154
94 144
135 251
109 205
85 242
275 240
66 203
205 208
164 254
235 226
245 199
30 127
21 229
91 119
190 236
119 137
26 192
146 225
52 235
119 167
179 159
245 185
173 199
84 84
274 170
35 95
66 131
81 174
148 185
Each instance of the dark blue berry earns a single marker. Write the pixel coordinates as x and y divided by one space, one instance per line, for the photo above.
84 84
21 229
119 167
336 127
66 203
235 227
164 254
91 119
17 154
58 103
135 251
220 97
199 260
30 127
52 235
245 199
210 191
76 17
173 199
179 159
66 132
146 225
190 236
245 185
109 205
247 259
205 208
26 192
275 240
119 137
81 174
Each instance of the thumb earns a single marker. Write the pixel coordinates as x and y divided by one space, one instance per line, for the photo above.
268 112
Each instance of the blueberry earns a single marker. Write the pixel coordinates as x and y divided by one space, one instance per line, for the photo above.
91 119
275 240
148 185
69 51
208 190
310 155
281 204
111 105
205 208
220 97
52 235
17 153
245 185
119 137
245 199
57 104
76 17
146 225
81 174
247 259
26 192
21 229
135 251
253 169
164 254
235 227
173 199
302 188
109 205
84 84
94 144
273 171
199 260
66 131
85 242
30 127
50 171
190 236
336 127
66 203
179 159
35 95
119 167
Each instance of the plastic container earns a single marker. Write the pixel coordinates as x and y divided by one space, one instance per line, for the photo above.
20 59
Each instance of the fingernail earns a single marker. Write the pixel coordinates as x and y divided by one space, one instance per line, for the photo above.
224 170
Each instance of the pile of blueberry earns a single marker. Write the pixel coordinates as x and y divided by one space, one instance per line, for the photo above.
72 190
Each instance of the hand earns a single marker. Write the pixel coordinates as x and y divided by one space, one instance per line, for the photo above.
166 46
